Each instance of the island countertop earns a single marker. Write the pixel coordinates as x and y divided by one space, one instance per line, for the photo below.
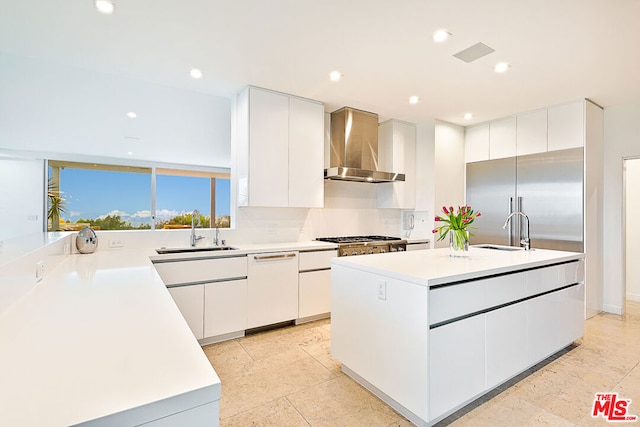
435 266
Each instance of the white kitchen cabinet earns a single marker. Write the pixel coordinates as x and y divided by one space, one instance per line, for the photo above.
279 150
566 126
397 152
193 270
268 149
531 133
476 143
225 307
314 284
502 138
306 153
190 301
506 343
272 288
456 363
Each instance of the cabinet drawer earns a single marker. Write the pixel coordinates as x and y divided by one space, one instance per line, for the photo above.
316 260
202 270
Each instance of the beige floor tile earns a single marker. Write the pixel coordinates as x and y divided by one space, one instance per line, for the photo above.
342 402
510 411
229 359
321 351
261 346
280 413
269 379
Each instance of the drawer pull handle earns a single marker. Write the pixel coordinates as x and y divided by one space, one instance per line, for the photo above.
273 257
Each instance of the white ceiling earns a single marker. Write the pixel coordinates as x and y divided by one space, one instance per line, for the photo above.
559 50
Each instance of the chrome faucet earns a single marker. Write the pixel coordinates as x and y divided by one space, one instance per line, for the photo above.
194 238
527 240
217 241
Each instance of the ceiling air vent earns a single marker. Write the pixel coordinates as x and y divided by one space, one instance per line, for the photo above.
474 52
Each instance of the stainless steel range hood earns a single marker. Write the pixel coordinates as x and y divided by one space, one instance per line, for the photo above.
354 148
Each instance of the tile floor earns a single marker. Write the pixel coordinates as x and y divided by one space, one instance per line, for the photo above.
287 377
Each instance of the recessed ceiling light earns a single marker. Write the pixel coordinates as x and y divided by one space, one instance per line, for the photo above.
441 35
130 153
132 115
196 73
414 99
334 76
501 67
468 116
105 6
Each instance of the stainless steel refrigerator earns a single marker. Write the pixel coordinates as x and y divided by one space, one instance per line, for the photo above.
548 187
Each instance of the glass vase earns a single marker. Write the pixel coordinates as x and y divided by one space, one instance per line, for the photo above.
459 243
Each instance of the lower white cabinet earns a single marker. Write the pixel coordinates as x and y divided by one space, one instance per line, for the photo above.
190 301
225 307
506 343
315 293
456 363
272 288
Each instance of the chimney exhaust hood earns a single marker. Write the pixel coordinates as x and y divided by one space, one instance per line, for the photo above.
354 148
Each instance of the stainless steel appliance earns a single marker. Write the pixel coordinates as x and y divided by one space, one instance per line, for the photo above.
354 148
548 187
365 245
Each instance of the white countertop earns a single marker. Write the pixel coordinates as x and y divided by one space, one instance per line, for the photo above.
435 266
244 249
99 335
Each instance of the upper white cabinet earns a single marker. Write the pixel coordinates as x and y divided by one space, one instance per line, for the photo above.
279 145
397 152
306 153
566 126
549 129
531 133
476 143
502 138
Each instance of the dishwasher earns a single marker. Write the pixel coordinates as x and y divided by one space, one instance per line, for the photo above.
272 288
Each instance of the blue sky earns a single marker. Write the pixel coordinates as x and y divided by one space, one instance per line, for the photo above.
93 193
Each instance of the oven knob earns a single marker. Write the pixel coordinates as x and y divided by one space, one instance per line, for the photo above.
393 249
400 249
354 253
345 253
370 250
382 251
363 252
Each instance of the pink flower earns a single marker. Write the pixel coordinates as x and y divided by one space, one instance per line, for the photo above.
434 231
478 214
444 209
451 209
438 218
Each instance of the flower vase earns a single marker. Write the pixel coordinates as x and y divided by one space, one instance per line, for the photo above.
459 243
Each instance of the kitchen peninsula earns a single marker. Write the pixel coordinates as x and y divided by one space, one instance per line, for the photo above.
429 333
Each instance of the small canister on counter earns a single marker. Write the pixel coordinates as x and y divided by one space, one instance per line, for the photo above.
86 241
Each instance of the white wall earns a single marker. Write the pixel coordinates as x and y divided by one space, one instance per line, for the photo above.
621 139
449 168
50 108
21 197
632 228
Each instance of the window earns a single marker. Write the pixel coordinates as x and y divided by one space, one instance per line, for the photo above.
112 197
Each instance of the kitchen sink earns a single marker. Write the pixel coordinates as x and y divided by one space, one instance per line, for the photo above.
163 251
499 247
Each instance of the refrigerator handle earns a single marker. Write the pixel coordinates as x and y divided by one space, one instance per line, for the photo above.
510 232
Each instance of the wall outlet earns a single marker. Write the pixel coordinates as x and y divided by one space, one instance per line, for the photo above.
382 290
272 229
39 270
116 243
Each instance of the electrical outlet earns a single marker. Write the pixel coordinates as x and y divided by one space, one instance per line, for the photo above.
39 270
116 243
382 290
272 229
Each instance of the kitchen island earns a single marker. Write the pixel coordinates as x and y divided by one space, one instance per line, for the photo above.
429 333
